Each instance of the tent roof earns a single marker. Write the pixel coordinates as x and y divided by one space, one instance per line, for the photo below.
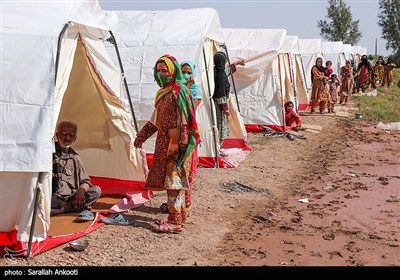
254 39
159 28
291 45
363 50
332 47
346 48
48 17
355 50
310 45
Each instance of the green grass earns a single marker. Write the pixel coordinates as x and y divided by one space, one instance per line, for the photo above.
385 106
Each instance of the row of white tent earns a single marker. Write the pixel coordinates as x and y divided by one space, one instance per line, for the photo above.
73 61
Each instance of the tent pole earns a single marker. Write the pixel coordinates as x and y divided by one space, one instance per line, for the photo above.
212 111
293 81
283 123
35 207
114 42
231 74
304 73
59 49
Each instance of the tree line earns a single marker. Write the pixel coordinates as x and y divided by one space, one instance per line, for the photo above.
340 26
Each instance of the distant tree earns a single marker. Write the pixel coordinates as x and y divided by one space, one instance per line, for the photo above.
389 21
341 26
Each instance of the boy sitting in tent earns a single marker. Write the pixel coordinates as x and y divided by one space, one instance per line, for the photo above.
72 188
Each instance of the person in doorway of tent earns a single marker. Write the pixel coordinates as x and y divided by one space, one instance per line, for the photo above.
388 73
292 118
347 82
221 93
317 77
364 72
73 190
334 85
328 69
174 121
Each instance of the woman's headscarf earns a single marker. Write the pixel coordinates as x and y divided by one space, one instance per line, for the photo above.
194 88
221 81
320 68
364 62
177 84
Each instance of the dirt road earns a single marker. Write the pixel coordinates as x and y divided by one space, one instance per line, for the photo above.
348 177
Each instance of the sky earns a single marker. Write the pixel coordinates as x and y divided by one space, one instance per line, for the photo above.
298 17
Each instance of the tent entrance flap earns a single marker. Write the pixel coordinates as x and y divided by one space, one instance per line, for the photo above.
82 104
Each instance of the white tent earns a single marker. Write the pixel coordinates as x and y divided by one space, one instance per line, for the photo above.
356 54
268 79
299 95
310 50
333 51
347 51
363 51
54 66
187 34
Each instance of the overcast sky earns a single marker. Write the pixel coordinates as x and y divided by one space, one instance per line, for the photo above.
298 17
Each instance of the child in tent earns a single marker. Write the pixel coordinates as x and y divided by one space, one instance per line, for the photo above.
292 119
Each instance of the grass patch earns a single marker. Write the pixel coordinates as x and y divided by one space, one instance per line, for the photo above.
385 106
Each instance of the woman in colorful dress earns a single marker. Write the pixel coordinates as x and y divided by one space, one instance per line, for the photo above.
317 78
364 72
388 73
379 70
174 120
347 82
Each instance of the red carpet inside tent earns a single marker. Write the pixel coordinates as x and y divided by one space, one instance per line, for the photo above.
64 228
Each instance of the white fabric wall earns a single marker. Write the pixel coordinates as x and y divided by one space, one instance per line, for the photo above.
333 51
310 50
30 102
17 203
144 36
265 77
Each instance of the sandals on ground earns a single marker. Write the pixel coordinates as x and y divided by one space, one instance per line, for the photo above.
117 219
164 227
85 216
